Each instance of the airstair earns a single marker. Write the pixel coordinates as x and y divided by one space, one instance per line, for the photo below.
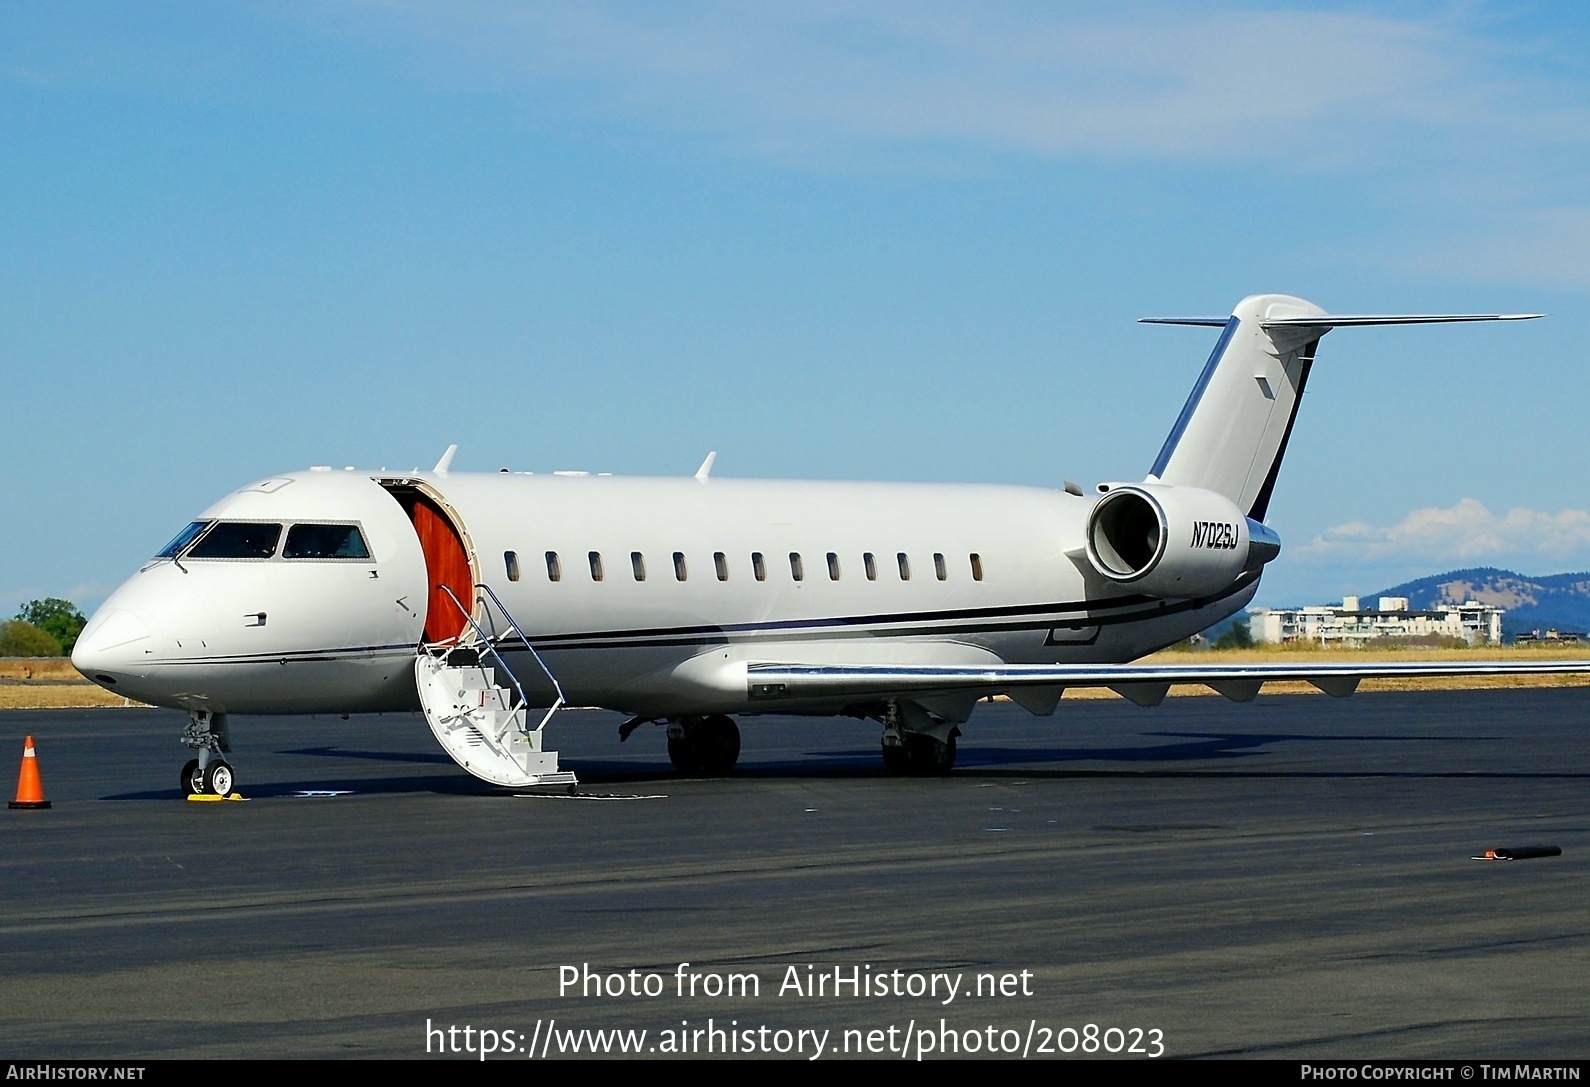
480 723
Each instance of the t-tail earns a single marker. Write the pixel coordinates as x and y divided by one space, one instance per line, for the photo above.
1233 431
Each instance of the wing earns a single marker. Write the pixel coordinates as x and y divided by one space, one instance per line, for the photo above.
1038 686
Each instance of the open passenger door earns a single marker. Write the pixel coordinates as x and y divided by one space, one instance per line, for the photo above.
473 701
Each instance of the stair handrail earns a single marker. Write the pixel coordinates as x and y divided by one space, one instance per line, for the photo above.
513 626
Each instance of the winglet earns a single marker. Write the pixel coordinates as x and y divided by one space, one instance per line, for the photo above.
447 460
706 467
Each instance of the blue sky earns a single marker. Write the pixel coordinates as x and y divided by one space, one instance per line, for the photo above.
836 241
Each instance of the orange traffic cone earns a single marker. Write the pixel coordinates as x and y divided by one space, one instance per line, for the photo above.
30 791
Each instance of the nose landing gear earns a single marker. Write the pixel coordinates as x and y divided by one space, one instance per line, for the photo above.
209 774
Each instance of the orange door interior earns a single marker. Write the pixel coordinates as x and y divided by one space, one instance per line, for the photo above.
445 564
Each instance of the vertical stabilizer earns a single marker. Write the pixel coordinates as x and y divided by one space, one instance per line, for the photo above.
1232 433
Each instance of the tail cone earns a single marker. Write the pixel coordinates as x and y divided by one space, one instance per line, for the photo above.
30 790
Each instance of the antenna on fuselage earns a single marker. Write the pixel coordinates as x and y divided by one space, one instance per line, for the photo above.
706 467
447 460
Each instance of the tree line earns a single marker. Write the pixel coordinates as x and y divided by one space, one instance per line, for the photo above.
42 628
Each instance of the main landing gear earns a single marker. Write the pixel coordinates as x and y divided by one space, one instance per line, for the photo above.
209 773
916 744
704 746
919 756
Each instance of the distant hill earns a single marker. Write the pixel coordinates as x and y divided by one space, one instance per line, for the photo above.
1560 601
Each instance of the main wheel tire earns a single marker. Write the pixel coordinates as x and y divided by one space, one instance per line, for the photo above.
685 753
930 757
718 744
219 779
192 780
896 759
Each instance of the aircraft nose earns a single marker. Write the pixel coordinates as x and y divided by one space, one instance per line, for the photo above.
112 643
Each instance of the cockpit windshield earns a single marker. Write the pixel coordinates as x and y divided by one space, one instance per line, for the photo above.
238 540
181 540
325 542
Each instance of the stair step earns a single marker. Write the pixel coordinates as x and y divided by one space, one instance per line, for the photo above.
479 727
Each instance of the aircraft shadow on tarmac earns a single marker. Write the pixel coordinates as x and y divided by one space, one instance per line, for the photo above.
1210 748
330 752
460 784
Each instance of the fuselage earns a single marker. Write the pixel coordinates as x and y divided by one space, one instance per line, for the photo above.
641 594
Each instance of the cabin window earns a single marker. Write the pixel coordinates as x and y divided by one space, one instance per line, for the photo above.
721 561
833 566
679 566
977 567
871 567
554 567
637 562
182 539
905 566
758 567
510 559
796 569
596 565
238 540
325 542
939 568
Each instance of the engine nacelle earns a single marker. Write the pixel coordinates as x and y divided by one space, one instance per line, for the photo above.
1174 541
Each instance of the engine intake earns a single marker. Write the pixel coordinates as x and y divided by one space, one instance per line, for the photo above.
1174 541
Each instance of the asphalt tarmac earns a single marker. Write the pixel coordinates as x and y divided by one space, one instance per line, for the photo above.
1286 878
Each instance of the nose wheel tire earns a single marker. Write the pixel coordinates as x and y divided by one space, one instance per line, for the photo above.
218 778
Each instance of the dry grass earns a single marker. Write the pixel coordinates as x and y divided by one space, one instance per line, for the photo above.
50 683
58 696
57 668
1437 683
1311 652
1310 655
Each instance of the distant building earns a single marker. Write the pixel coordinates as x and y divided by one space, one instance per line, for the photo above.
1349 624
1550 637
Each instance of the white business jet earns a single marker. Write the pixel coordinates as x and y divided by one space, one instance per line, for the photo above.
477 597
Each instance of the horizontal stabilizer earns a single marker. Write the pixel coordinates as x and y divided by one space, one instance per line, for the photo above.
1346 320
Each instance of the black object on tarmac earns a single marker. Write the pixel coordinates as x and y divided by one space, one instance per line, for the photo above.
1520 853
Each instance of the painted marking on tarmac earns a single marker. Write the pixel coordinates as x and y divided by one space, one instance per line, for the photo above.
591 796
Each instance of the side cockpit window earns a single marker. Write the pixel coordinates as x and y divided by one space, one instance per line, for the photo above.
324 542
181 540
238 540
